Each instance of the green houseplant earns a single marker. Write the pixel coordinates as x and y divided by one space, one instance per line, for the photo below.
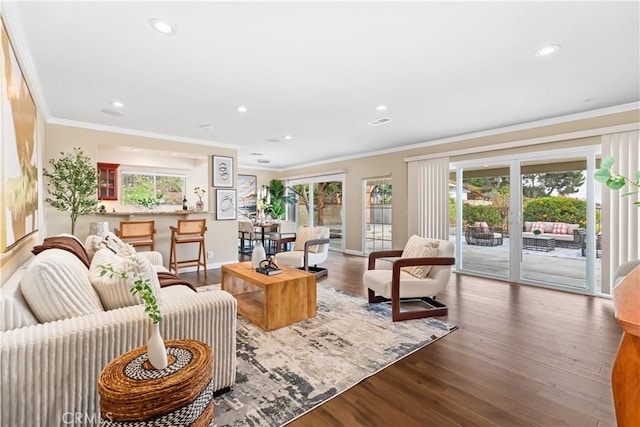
72 184
614 180
279 200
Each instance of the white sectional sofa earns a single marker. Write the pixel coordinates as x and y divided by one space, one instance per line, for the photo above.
49 371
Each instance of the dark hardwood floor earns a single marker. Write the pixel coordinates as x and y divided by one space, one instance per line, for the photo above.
521 356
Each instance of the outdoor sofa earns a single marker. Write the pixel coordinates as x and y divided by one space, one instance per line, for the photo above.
562 233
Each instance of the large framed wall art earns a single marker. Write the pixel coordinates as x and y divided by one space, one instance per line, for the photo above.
222 171
225 204
247 194
19 173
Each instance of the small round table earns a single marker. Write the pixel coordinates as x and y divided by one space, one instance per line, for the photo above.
132 390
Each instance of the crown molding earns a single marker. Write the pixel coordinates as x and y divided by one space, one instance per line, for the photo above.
145 134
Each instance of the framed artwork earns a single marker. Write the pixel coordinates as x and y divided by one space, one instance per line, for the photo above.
222 171
19 172
225 204
247 194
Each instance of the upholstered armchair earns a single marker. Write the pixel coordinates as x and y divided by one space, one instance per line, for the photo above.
418 273
311 247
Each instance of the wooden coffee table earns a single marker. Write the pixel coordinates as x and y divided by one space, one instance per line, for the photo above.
271 302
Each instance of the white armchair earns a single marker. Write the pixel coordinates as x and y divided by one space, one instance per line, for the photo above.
311 248
388 280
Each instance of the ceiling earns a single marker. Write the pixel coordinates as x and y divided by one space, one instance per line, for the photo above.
316 71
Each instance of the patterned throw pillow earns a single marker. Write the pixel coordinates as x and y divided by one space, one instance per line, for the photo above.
560 228
537 226
420 247
304 234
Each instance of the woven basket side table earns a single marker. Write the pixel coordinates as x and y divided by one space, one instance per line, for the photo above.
132 392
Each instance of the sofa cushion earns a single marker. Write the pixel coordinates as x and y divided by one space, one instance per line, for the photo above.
303 235
14 311
56 286
115 291
419 247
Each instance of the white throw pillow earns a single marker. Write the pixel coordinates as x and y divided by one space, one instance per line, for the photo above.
303 235
56 286
92 245
420 247
115 291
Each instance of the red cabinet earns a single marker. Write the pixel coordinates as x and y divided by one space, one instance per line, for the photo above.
108 181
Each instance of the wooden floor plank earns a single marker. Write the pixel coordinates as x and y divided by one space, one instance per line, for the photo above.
523 355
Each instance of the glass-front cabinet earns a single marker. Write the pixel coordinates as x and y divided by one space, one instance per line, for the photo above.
108 181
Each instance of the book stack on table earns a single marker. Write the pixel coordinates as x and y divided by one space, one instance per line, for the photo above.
268 271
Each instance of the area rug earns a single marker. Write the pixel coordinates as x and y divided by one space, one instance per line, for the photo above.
284 373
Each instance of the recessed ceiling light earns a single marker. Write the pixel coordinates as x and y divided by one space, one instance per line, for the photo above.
135 149
264 161
287 137
162 26
117 104
242 109
381 107
207 127
547 50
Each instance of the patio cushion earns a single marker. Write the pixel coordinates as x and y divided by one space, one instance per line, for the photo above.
560 228
537 226
483 226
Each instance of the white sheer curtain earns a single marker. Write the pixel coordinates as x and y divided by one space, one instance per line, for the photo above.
620 217
428 192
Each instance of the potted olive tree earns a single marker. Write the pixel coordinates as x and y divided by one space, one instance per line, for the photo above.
72 184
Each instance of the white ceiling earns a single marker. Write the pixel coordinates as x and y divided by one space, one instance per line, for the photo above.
317 70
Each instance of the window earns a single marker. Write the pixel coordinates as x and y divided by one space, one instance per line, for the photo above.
377 214
166 188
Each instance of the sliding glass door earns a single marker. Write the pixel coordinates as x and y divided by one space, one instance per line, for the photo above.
530 219
484 202
320 203
377 219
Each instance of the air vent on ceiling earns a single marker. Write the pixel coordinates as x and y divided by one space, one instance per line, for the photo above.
380 121
111 112
264 161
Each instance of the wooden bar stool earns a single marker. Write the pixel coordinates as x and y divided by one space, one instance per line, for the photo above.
137 233
188 231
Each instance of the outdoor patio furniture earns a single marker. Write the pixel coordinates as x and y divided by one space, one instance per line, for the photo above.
580 237
484 236
539 243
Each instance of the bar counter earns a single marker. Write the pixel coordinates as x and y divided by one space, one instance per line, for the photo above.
163 220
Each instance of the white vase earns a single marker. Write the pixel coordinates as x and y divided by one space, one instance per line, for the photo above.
257 255
156 351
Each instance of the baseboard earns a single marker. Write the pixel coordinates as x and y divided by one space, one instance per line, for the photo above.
355 253
210 266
